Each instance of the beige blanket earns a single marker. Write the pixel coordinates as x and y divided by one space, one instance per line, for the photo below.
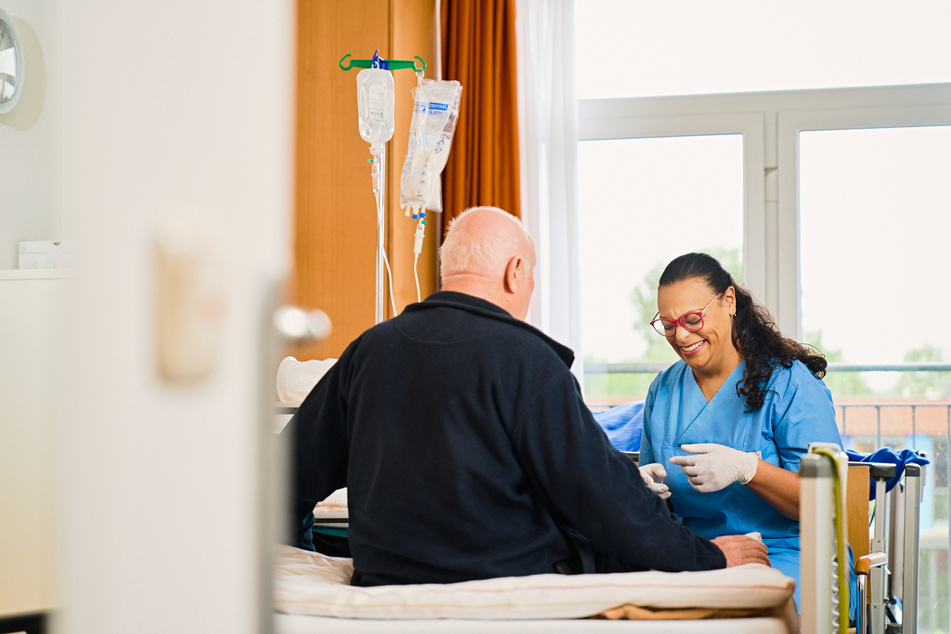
314 584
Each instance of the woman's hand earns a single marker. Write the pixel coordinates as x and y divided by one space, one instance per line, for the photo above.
714 467
653 475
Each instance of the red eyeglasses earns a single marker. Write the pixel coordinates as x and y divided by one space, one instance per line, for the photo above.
692 322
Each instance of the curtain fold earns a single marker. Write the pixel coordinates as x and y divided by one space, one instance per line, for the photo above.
479 50
548 113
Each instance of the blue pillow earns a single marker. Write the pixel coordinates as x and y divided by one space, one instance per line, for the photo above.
623 425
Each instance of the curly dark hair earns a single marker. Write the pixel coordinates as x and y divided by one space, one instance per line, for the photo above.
754 333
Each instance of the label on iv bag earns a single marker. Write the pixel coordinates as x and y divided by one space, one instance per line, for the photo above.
377 104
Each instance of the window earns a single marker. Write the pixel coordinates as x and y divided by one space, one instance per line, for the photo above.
875 228
637 48
635 189
841 219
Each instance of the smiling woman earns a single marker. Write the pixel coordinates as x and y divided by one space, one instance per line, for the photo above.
727 425
705 344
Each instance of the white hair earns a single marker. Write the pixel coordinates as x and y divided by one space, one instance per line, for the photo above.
466 251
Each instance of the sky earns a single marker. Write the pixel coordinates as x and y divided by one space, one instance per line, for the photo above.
874 203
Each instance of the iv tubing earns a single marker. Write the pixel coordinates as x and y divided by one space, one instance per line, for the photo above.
389 275
418 245
416 275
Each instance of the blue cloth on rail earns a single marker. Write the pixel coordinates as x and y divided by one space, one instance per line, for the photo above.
623 424
887 455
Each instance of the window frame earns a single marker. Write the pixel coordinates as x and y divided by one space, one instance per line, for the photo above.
770 123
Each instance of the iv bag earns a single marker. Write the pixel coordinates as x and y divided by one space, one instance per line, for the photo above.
375 102
435 112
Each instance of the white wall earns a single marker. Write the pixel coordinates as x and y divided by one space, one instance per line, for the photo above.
29 380
30 134
177 109
31 310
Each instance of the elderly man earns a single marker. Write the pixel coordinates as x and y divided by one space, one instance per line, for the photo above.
466 448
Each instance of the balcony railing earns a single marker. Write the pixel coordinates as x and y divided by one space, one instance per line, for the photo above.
835 366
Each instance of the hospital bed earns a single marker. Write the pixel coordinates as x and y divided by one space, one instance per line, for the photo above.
291 624
312 594
312 591
891 591
886 550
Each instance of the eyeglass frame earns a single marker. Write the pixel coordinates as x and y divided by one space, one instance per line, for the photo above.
680 320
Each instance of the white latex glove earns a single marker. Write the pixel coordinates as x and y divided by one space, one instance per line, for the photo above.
715 467
653 475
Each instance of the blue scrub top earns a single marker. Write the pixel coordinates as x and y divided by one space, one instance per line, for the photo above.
797 410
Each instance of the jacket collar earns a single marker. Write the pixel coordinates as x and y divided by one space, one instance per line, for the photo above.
479 306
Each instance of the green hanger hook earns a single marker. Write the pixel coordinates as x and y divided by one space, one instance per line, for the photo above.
386 64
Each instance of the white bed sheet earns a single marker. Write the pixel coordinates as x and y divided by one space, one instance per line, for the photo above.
300 624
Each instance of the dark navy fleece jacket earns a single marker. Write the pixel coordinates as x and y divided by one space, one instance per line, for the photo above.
468 453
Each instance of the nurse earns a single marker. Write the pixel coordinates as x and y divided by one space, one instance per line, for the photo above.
728 423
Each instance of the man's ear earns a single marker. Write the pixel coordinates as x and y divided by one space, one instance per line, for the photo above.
513 274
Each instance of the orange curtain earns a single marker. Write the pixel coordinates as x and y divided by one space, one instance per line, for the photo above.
478 41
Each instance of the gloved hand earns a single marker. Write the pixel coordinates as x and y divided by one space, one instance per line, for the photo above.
654 474
714 467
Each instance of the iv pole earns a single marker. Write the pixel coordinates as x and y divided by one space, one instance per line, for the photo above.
380 166
378 172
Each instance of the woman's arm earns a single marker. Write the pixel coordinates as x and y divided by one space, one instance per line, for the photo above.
778 488
807 414
712 467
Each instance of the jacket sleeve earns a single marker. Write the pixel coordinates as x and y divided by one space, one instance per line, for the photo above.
598 491
315 443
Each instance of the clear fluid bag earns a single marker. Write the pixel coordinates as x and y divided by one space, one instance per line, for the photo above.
435 111
376 99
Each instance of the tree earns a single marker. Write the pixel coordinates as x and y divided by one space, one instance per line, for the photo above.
841 384
925 384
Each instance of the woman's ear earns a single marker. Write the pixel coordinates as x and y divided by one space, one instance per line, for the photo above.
729 296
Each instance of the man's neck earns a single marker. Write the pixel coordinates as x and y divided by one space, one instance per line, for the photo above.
476 285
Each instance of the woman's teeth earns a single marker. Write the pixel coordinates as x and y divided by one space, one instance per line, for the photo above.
693 346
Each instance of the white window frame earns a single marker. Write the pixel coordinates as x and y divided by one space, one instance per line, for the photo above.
770 123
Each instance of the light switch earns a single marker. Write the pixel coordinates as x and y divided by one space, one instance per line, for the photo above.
189 303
